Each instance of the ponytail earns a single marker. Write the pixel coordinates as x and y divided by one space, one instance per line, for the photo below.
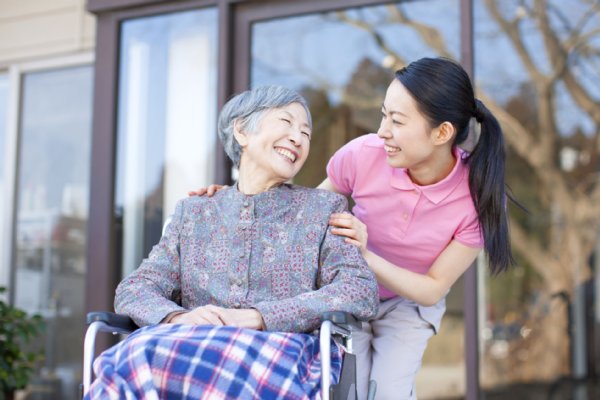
486 183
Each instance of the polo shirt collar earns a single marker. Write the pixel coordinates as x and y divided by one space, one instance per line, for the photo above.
438 191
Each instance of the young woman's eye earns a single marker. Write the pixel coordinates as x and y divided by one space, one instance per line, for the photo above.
395 122
286 120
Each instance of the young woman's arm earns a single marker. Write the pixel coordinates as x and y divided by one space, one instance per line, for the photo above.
327 185
425 289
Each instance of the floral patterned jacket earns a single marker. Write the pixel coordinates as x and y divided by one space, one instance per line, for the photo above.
272 251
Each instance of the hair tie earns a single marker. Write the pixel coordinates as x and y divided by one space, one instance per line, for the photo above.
479 112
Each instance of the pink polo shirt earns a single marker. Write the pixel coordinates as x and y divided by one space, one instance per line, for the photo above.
408 224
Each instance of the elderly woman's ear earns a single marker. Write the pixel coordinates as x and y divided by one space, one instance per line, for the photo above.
239 134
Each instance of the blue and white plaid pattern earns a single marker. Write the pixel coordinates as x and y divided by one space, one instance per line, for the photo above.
205 362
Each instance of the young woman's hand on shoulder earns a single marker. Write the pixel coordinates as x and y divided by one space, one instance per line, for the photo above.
209 191
352 228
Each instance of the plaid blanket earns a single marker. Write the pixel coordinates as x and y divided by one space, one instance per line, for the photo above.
205 362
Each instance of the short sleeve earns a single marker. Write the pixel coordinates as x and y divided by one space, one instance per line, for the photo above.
470 234
342 166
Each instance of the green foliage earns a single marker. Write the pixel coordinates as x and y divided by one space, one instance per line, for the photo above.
17 329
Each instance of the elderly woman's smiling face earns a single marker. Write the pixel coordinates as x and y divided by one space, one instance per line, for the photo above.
279 147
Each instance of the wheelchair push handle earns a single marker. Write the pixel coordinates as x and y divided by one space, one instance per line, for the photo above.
120 321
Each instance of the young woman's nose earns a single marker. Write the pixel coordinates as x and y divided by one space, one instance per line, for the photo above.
383 131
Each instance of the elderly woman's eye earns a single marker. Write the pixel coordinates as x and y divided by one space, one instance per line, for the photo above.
286 120
307 134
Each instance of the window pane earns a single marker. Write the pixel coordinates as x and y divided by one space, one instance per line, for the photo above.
52 212
343 70
3 171
3 122
166 121
540 320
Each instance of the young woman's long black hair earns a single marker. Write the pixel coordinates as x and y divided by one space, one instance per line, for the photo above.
443 92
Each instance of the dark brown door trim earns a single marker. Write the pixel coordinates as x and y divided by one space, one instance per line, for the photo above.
101 274
101 6
470 278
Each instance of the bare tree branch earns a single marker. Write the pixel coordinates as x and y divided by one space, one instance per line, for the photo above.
538 257
519 138
585 18
430 35
399 61
559 59
511 28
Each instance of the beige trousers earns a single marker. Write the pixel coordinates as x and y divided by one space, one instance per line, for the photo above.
389 349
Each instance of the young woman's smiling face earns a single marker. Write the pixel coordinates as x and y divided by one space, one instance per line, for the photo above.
279 147
406 132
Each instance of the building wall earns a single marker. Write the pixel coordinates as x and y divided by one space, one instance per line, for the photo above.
35 29
34 35
46 89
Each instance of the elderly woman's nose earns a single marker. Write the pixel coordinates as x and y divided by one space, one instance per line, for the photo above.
295 135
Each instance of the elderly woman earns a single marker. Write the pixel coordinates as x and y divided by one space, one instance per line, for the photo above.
231 292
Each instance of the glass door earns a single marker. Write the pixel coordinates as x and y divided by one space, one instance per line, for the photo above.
166 122
541 319
51 216
343 61
4 189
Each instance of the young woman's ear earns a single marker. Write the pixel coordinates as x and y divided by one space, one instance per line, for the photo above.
239 134
444 133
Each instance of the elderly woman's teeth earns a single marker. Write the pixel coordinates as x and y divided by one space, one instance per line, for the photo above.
286 153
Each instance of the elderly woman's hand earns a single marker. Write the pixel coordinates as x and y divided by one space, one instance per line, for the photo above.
204 315
219 316
209 191
241 318
346 224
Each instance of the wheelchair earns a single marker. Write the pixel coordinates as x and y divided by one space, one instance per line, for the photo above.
337 324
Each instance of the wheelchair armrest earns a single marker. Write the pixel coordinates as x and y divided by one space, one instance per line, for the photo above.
120 321
343 319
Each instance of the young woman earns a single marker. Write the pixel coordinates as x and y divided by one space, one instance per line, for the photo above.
424 210
428 208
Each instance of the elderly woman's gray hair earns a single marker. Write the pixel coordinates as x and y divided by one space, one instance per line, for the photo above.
249 107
